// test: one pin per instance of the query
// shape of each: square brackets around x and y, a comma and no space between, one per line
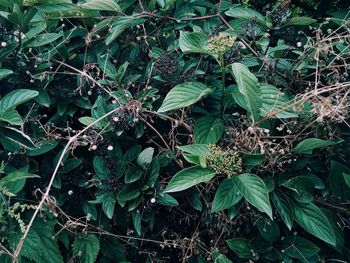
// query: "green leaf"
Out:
[88,120]
[4,73]
[189,177]
[11,116]
[128,193]
[240,246]
[300,21]
[17,136]
[15,181]
[15,98]
[43,147]
[247,13]
[248,86]
[308,145]
[337,181]
[184,95]
[268,229]
[43,39]
[226,196]
[284,209]
[101,5]
[108,206]
[298,247]
[208,130]
[145,157]
[195,149]
[312,219]
[195,42]
[86,248]
[274,101]
[120,25]
[254,191]
[166,199]
[219,258]
[39,246]
[347,179]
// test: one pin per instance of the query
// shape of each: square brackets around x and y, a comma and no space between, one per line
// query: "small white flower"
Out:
[153,200]
[94,147]
[70,192]
[115,119]
[299,44]
[3,44]
[110,147]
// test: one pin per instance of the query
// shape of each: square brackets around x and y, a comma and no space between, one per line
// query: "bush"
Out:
[174,131]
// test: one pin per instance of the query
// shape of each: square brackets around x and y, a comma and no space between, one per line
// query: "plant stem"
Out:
[222,84]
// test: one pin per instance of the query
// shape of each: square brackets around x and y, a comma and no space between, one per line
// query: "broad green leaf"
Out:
[248,86]
[195,149]
[145,157]
[218,257]
[347,179]
[86,248]
[284,209]
[274,101]
[120,25]
[195,42]
[337,181]
[11,116]
[43,39]
[132,174]
[89,120]
[166,199]
[108,206]
[240,246]
[39,246]
[308,145]
[226,196]
[17,136]
[43,147]
[15,98]
[298,247]
[184,95]
[312,219]
[300,21]
[333,220]
[254,191]
[101,5]
[189,177]
[128,193]
[208,130]
[268,229]
[4,73]
[247,13]
[15,181]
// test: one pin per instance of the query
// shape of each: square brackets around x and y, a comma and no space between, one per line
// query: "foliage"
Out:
[174,131]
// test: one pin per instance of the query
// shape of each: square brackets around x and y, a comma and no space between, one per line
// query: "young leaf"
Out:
[308,145]
[86,248]
[248,86]
[254,191]
[268,229]
[145,157]
[208,130]
[312,219]
[184,95]
[189,177]
[226,196]
[42,40]
[195,149]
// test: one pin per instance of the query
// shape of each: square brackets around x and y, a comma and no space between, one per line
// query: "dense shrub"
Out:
[174,131]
